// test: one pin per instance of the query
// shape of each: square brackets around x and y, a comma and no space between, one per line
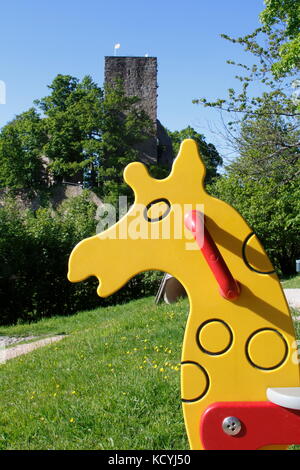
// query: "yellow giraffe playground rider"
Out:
[240,373]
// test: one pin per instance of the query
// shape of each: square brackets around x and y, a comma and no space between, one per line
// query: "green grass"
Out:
[293,282]
[113,383]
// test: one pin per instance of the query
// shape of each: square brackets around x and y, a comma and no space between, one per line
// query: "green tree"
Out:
[69,103]
[92,129]
[209,153]
[34,250]
[125,126]
[276,102]
[268,146]
[21,143]
[285,14]
[83,133]
[272,210]
[263,130]
[263,183]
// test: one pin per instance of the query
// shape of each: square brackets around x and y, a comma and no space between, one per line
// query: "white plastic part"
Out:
[287,397]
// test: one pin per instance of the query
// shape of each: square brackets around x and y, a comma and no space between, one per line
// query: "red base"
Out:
[263,424]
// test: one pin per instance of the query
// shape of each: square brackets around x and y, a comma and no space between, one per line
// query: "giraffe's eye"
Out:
[157,210]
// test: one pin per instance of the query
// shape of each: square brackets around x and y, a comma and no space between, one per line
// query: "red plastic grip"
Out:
[229,287]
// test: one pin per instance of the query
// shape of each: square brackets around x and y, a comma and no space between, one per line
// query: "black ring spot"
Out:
[207,382]
[276,365]
[245,257]
[156,201]
[209,352]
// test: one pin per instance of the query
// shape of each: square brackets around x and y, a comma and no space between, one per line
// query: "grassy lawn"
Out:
[292,282]
[113,383]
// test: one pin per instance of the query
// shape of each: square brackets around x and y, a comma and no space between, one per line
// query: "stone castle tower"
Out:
[139,77]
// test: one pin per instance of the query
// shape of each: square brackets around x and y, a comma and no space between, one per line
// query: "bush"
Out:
[34,251]
[272,210]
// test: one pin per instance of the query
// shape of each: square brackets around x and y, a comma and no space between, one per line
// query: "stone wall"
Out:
[57,194]
[139,77]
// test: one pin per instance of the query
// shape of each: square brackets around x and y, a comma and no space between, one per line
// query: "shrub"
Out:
[34,251]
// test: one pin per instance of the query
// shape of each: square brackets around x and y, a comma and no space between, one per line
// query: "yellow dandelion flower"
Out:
[161,369]
[72,420]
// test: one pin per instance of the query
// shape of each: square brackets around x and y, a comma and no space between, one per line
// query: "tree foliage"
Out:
[278,140]
[272,210]
[81,130]
[34,251]
[262,128]
[264,49]
[209,153]
[285,14]
[93,129]
[21,143]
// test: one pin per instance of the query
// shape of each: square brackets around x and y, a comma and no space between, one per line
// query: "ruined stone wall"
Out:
[139,75]
[57,194]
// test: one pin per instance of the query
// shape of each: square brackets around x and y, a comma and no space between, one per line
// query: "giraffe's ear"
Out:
[188,163]
[136,175]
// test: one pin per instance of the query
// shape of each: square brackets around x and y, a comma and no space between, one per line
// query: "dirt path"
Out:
[293,297]
[15,351]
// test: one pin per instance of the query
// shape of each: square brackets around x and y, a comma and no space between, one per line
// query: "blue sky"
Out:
[40,39]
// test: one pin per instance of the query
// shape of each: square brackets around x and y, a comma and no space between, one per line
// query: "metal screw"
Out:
[231,426]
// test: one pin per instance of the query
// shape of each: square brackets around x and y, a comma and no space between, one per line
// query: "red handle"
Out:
[229,287]
[262,424]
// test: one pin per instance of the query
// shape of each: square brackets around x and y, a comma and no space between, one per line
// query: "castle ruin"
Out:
[139,78]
